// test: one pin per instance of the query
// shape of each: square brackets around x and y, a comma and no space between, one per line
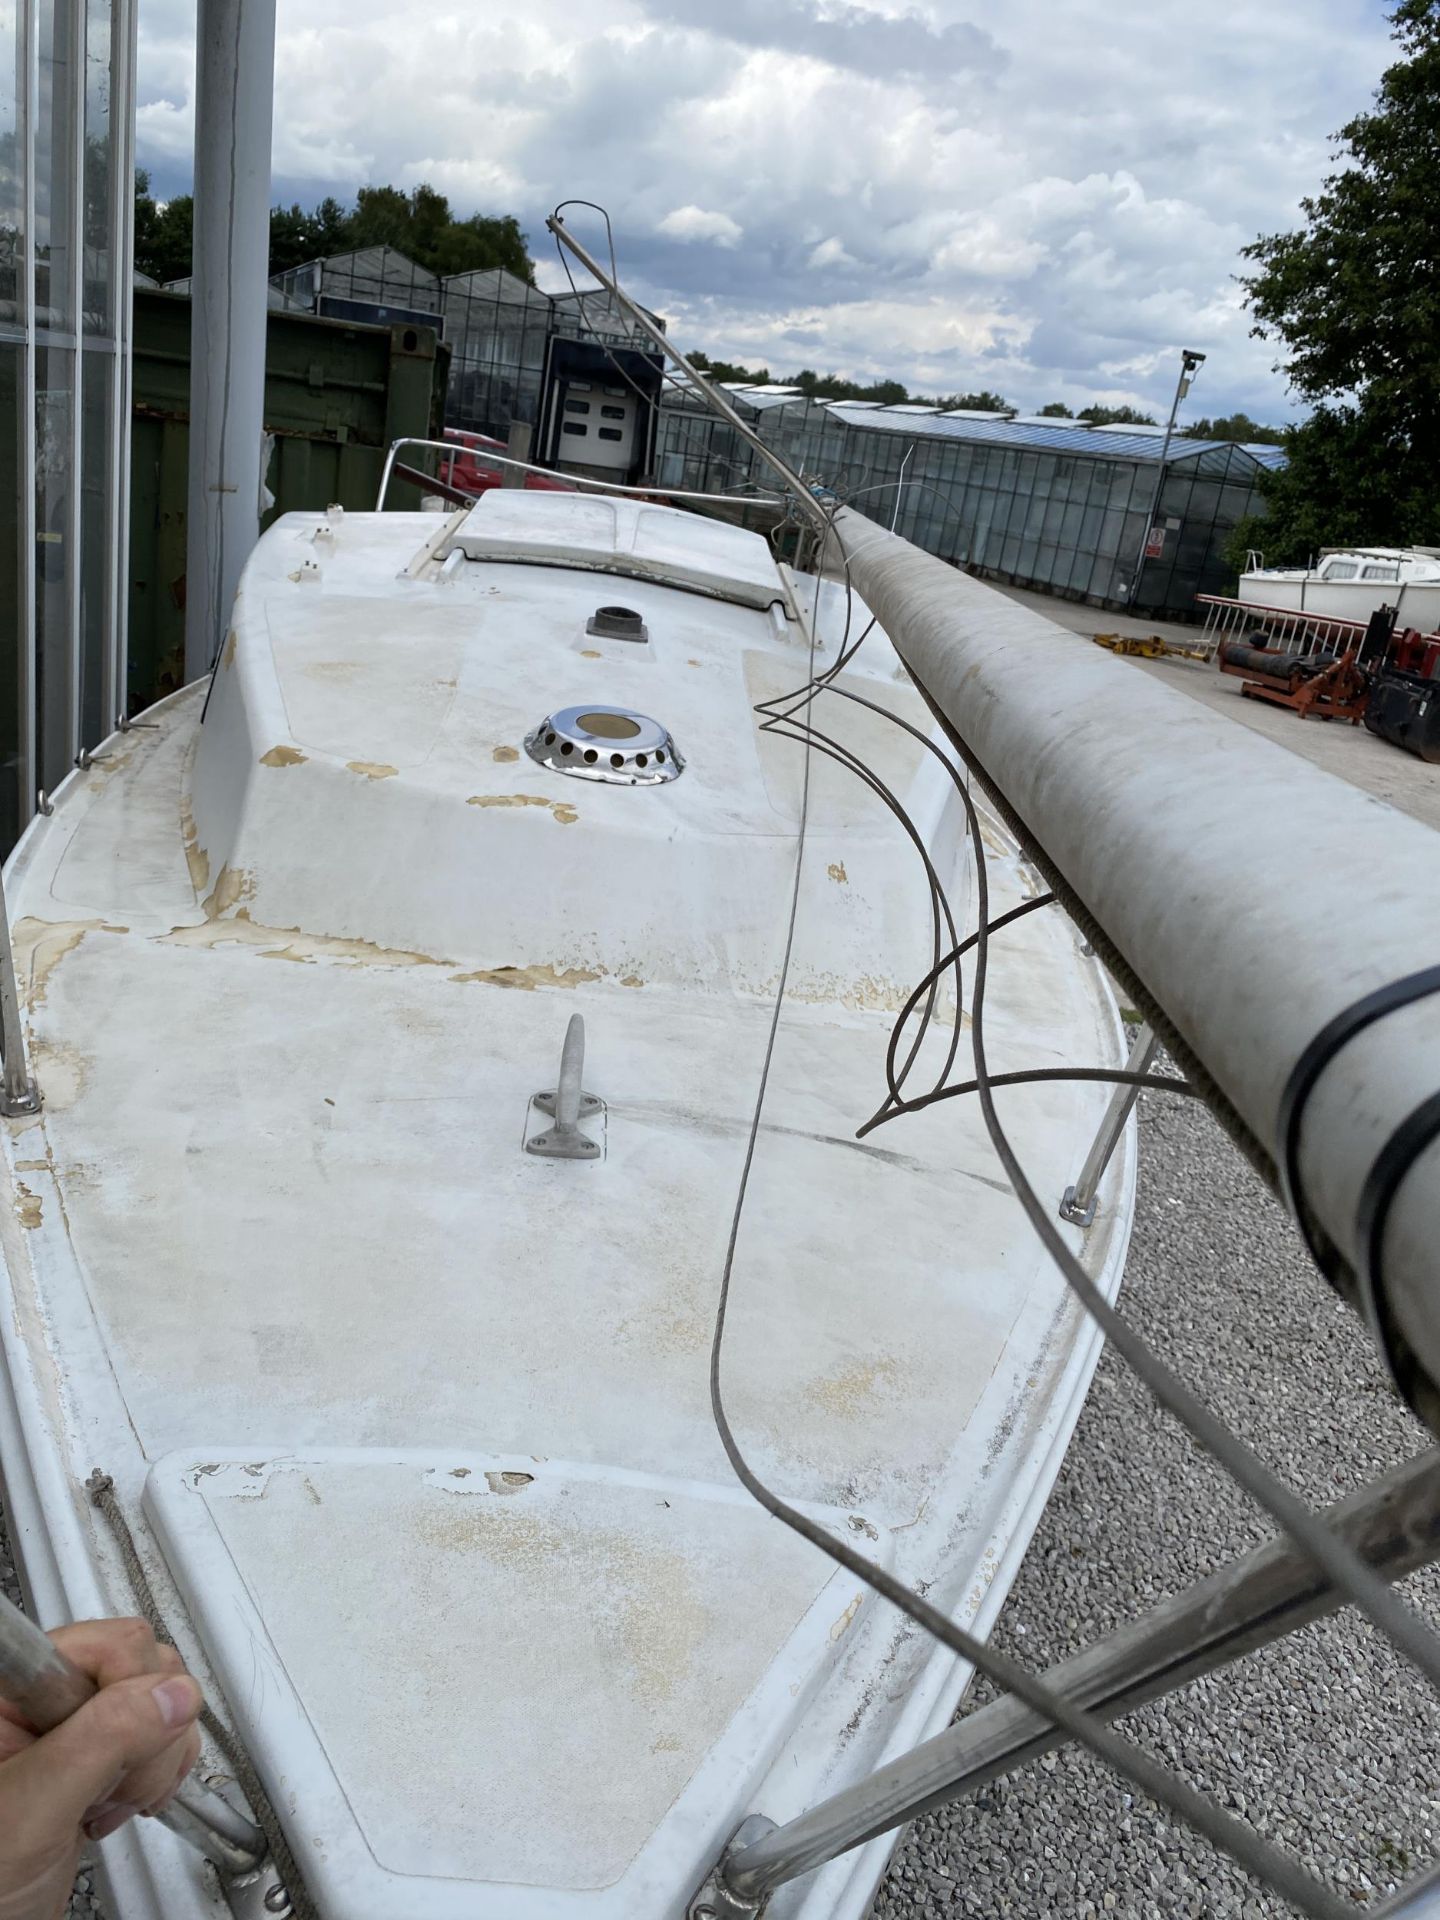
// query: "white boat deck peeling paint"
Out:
[414,1425]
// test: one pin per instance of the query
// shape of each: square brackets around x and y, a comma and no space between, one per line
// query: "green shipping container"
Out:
[336,396]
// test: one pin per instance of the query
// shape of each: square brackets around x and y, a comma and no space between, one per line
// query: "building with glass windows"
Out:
[1046,503]
[571,365]
[66,169]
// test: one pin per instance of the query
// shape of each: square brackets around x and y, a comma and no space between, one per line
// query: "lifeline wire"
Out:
[1239,1840]
[1220,1827]
[1346,1569]
[1340,1563]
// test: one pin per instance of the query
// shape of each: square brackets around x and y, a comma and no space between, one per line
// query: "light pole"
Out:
[1189,365]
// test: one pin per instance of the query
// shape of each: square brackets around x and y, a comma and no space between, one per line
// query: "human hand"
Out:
[126,1751]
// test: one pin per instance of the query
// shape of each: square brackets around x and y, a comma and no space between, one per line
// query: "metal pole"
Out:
[900,485]
[1394,1524]
[234,89]
[18,1092]
[1188,363]
[36,1678]
[712,394]
[517,447]
[1078,1206]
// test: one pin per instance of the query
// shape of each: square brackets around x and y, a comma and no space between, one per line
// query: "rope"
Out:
[101,1489]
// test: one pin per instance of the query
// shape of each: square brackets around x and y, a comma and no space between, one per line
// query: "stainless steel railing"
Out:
[482,456]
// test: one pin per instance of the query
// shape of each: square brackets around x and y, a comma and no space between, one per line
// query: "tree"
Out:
[1098,416]
[164,232]
[469,245]
[723,370]
[1055,410]
[982,402]
[419,223]
[1235,426]
[1352,299]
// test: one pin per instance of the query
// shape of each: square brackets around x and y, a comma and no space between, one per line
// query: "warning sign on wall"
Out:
[1155,544]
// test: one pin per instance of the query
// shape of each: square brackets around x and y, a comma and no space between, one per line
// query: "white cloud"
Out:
[695,223]
[1048,198]
[829,253]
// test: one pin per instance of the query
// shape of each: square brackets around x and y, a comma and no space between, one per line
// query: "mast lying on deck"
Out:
[1305,989]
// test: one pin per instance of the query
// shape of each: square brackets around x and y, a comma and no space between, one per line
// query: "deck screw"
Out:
[277,1900]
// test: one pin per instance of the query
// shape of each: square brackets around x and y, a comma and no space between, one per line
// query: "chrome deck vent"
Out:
[610,744]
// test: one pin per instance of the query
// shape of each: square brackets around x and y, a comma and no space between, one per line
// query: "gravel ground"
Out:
[1317,1740]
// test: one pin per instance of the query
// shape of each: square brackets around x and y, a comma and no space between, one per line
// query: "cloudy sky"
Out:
[1047,198]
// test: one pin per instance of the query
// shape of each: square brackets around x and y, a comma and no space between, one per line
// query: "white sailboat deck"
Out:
[418,1424]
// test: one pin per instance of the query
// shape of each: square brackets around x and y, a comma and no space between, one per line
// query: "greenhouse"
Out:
[1050,503]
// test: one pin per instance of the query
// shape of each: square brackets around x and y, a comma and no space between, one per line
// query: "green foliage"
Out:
[419,223]
[833,386]
[1055,410]
[720,370]
[163,233]
[1115,417]
[1351,480]
[1353,300]
[1235,426]
[422,226]
[982,402]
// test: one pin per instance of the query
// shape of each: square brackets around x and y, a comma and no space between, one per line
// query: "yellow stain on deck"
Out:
[846,1617]
[837,873]
[291,943]
[232,885]
[527,979]
[849,1389]
[506,754]
[40,946]
[561,809]
[371,769]
[27,1205]
[196,858]
[283,757]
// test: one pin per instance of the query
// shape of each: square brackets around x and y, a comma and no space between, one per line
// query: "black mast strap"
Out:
[1304,1075]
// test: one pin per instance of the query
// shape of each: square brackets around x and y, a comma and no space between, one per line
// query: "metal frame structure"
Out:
[1079,1202]
[18,1091]
[65,92]
[1259,1598]
[1293,631]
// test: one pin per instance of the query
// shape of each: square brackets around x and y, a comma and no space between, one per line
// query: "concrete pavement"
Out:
[1410,785]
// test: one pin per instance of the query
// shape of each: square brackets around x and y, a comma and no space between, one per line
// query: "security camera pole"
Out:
[1189,363]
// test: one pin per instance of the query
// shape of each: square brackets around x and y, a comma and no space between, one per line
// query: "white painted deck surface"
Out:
[416,1426]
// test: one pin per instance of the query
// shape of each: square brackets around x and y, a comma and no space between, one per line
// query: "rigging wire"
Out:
[1313,1535]
[1346,1570]
[585,325]
[1227,1832]
[923,486]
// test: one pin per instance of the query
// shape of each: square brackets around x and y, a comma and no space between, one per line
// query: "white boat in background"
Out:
[412,1423]
[1349,583]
